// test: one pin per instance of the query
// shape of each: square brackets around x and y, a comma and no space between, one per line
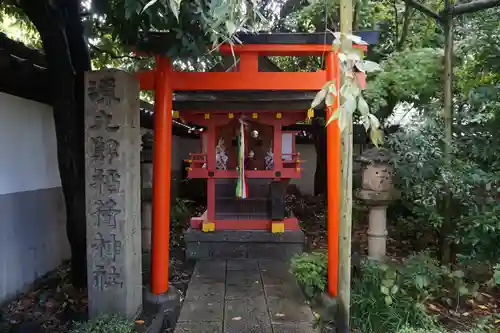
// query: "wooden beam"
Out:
[474,6]
[247,81]
[209,81]
[424,10]
[281,49]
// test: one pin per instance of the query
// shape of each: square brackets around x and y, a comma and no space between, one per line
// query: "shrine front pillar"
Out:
[209,225]
[277,146]
[113,193]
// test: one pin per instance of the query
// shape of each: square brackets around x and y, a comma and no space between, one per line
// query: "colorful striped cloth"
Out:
[241,184]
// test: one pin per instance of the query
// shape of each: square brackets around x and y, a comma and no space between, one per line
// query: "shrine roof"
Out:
[158,42]
[259,100]
[243,100]
[319,38]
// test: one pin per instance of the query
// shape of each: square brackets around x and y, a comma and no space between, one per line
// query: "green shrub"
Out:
[380,302]
[310,270]
[424,180]
[394,296]
[104,324]
[388,297]
[179,221]
[181,210]
[424,278]
[408,329]
[496,274]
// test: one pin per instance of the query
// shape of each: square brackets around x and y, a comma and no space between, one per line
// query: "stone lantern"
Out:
[377,192]
[147,190]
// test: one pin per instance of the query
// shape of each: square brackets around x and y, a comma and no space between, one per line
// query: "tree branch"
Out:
[355,18]
[113,55]
[396,22]
[406,27]
[474,6]
[290,6]
[424,10]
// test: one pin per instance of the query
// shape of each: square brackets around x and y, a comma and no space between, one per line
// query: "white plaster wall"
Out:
[32,213]
[27,146]
[308,158]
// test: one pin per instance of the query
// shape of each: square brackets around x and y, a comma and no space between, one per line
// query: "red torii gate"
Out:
[164,81]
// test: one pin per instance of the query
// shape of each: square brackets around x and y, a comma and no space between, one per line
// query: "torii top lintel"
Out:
[248,77]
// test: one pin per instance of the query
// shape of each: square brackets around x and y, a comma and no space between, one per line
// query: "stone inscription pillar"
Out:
[113,193]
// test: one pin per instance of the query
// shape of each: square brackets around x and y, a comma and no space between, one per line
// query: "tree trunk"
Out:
[447,227]
[67,57]
[345,218]
[406,27]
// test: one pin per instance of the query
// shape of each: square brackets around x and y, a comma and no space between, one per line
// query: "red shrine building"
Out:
[246,154]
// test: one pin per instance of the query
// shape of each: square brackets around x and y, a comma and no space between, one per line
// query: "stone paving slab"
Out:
[202,309]
[294,328]
[286,290]
[244,296]
[247,315]
[242,264]
[288,310]
[243,278]
[243,292]
[198,327]
[205,290]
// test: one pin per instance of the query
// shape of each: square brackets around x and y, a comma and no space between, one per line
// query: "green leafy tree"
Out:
[63,27]
[406,76]
[473,177]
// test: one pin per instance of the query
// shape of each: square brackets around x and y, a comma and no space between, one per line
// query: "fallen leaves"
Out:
[433,308]
[53,303]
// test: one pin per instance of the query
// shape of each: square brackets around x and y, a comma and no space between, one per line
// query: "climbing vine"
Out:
[349,91]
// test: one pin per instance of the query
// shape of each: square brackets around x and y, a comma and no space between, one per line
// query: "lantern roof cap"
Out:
[375,155]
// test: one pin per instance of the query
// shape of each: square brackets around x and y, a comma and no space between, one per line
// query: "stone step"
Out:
[238,244]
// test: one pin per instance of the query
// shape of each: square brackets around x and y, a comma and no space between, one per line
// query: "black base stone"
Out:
[329,314]
[159,312]
[236,244]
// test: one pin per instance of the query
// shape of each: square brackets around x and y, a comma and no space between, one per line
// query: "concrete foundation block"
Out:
[236,244]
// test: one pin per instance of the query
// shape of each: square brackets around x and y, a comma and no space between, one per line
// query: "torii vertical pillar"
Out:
[333,180]
[161,177]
